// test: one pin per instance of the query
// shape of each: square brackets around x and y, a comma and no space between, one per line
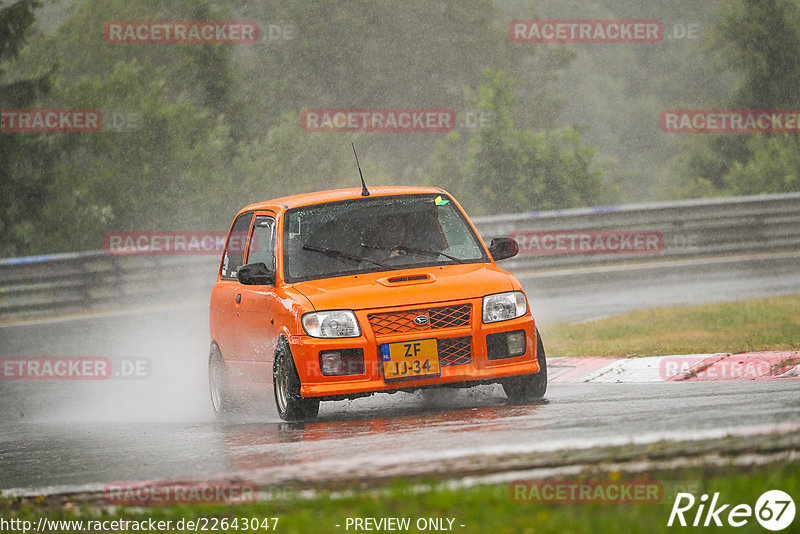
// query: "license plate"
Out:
[409,359]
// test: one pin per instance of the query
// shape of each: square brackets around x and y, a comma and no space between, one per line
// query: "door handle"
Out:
[238,298]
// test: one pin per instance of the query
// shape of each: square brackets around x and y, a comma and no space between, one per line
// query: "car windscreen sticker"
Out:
[440,201]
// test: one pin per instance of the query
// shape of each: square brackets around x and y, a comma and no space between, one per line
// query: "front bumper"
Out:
[463,356]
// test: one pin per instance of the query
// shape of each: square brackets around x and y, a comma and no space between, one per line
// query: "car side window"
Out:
[233,257]
[262,242]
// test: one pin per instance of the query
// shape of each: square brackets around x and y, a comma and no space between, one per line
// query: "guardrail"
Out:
[48,284]
[43,285]
[690,228]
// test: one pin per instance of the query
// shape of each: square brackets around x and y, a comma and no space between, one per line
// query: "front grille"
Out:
[455,351]
[403,321]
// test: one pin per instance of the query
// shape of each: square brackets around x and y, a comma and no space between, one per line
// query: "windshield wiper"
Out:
[342,255]
[415,250]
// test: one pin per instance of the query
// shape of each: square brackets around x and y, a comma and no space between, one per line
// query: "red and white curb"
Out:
[768,365]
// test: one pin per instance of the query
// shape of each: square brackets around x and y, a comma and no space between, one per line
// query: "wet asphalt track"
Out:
[69,435]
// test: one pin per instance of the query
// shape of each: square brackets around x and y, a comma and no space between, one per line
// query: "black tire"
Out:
[222,399]
[286,385]
[529,388]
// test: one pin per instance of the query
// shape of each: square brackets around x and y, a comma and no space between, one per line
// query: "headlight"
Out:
[336,323]
[504,306]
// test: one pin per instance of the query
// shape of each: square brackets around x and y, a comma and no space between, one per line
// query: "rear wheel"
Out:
[286,384]
[529,388]
[222,399]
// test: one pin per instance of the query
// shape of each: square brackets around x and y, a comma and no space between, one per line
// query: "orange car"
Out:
[337,295]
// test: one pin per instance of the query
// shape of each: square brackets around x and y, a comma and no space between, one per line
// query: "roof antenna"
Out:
[364,191]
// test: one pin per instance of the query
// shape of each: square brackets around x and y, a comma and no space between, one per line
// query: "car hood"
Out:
[407,287]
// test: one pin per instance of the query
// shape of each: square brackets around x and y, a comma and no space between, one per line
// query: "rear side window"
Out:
[262,242]
[233,258]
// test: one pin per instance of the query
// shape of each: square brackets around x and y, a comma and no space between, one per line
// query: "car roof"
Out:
[335,195]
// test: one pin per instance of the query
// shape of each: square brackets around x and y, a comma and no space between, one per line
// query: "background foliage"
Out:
[539,126]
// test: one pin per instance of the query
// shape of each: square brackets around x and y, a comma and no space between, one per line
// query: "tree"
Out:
[502,168]
[760,39]
[194,158]
[23,183]
[773,168]
[220,124]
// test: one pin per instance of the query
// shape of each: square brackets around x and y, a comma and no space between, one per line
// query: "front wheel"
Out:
[529,388]
[286,385]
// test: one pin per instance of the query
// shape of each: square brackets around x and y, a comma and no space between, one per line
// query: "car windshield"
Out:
[376,234]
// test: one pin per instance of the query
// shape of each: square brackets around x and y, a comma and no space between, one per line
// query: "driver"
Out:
[387,237]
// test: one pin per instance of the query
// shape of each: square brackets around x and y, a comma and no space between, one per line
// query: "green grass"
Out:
[481,509]
[752,325]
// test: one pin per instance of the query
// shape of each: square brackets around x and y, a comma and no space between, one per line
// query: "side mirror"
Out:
[255,274]
[503,248]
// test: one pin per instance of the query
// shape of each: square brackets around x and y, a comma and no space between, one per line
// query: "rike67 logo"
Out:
[774,510]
